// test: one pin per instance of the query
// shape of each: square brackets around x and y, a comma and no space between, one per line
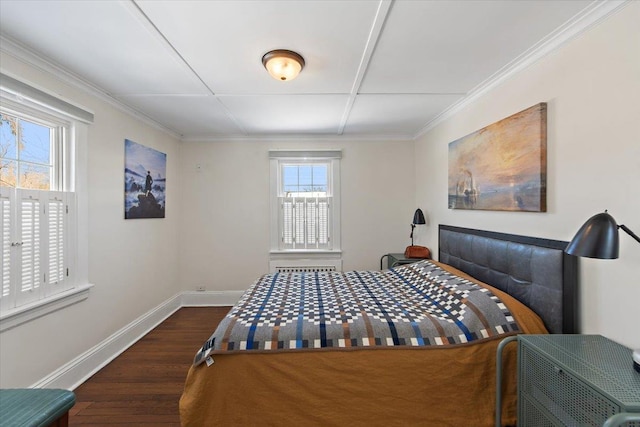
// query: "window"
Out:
[35,209]
[305,200]
[38,221]
[27,149]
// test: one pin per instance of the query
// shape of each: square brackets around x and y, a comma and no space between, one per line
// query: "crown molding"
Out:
[595,13]
[300,138]
[30,57]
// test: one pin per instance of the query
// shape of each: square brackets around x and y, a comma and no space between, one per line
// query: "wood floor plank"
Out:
[143,385]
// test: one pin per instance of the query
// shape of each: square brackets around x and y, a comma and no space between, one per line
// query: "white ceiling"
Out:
[373,68]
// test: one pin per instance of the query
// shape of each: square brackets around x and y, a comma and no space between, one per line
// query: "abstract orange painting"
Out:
[502,166]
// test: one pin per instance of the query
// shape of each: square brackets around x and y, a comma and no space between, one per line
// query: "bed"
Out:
[412,345]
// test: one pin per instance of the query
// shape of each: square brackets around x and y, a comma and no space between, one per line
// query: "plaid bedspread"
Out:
[415,305]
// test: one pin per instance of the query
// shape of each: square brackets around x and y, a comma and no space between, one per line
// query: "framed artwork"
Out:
[144,181]
[503,166]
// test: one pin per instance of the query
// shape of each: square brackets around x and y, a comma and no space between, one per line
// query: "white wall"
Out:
[592,87]
[131,263]
[225,234]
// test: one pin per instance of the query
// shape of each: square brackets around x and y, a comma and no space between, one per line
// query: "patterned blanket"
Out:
[415,305]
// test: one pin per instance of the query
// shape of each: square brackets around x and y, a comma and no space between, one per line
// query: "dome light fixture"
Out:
[283,64]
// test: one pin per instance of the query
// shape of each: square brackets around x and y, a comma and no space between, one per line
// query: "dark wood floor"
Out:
[142,386]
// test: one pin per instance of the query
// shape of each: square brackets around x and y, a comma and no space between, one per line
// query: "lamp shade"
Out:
[418,217]
[597,238]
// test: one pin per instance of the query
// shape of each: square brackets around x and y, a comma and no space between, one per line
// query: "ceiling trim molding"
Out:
[30,57]
[580,23]
[139,14]
[376,30]
[302,138]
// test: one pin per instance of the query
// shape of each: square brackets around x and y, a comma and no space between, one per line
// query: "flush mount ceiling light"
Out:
[283,64]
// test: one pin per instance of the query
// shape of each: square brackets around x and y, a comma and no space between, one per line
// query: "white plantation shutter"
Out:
[323,222]
[35,259]
[311,219]
[305,222]
[29,240]
[56,210]
[6,206]
[287,222]
[298,222]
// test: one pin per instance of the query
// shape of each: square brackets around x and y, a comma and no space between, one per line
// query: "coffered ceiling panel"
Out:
[287,114]
[224,41]
[452,46]
[399,115]
[107,43]
[197,116]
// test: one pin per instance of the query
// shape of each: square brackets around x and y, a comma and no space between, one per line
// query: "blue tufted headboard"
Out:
[535,271]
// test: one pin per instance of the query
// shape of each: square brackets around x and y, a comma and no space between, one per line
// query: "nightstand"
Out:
[575,380]
[394,260]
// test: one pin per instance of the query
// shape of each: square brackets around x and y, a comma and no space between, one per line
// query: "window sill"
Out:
[305,252]
[17,316]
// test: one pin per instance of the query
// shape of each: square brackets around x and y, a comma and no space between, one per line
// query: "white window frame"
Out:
[67,196]
[277,159]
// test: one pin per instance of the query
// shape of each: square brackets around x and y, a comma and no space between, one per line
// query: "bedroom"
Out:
[137,268]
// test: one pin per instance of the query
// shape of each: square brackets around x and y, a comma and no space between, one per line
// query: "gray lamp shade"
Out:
[597,238]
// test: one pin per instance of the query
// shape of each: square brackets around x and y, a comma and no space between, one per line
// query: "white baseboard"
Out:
[78,370]
[210,298]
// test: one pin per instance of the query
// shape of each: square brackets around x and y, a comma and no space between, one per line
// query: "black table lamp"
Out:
[598,238]
[418,218]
